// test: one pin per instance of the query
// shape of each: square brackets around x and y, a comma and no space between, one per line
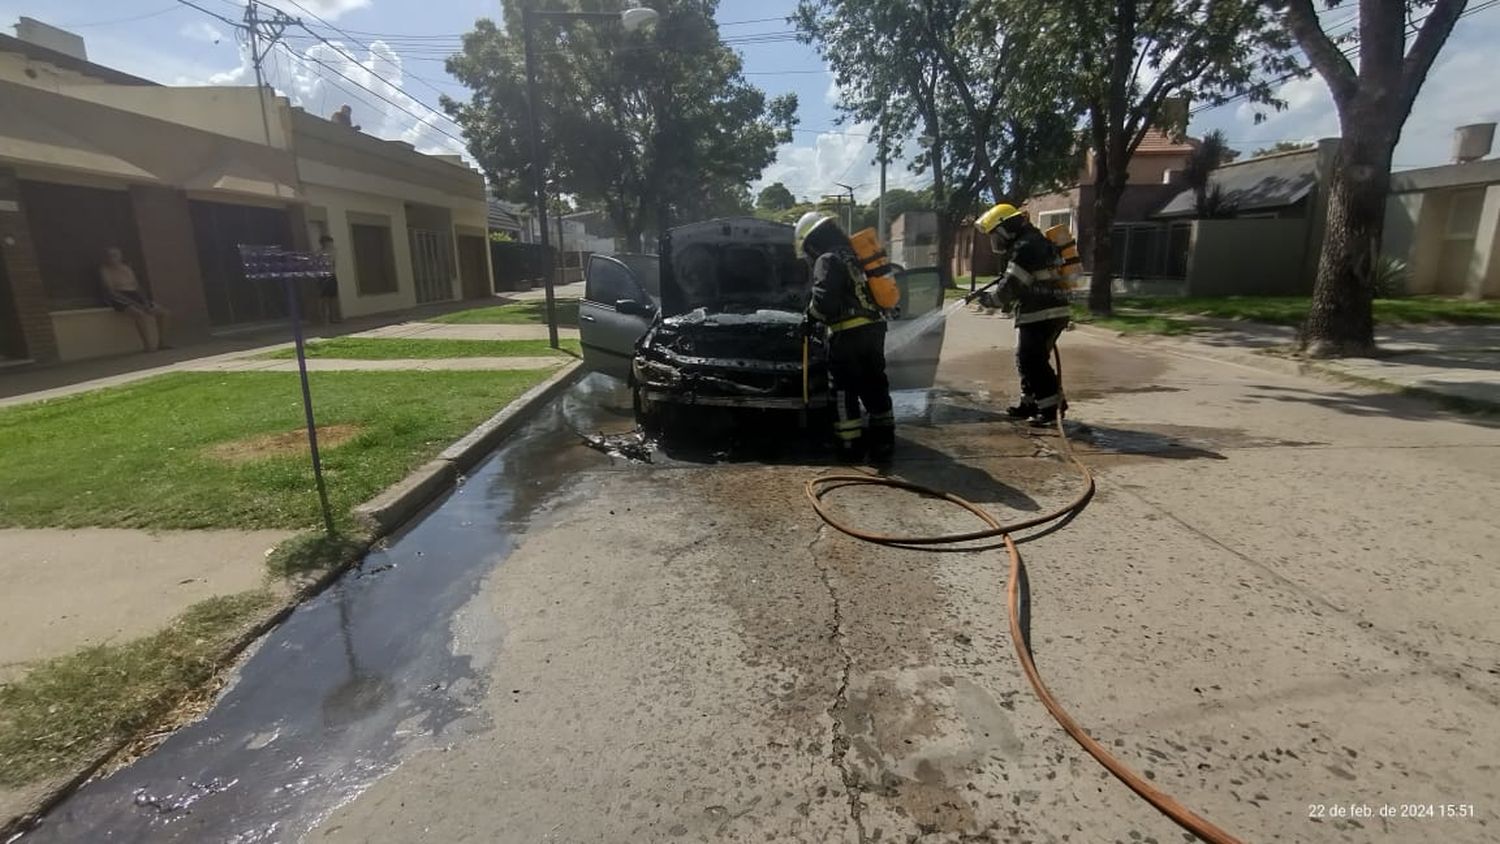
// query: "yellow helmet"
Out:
[991,219]
[805,225]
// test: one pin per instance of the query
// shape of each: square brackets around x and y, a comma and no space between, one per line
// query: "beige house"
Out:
[178,178]
[1445,221]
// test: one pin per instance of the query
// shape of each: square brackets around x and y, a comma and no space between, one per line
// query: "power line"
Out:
[382,97]
[190,4]
[1347,53]
[366,47]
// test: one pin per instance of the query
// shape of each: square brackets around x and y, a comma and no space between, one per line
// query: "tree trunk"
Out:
[1341,320]
[945,230]
[1102,254]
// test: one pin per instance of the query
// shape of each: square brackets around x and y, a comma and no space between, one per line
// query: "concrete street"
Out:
[1279,606]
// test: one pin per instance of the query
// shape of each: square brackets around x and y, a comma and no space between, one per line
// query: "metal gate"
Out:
[432,264]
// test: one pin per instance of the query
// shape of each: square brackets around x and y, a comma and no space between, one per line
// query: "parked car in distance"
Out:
[716,321]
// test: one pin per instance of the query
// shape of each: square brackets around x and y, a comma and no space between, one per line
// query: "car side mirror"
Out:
[631,307]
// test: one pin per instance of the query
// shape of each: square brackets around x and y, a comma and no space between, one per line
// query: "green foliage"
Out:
[141,455]
[499,236]
[1282,146]
[938,75]
[775,197]
[67,709]
[1136,66]
[1389,277]
[314,552]
[649,126]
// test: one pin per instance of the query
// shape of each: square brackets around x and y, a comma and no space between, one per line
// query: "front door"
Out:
[432,265]
[607,334]
[472,267]
[914,339]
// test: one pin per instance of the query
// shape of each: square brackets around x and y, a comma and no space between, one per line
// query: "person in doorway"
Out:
[841,300]
[124,294]
[328,284]
[1033,290]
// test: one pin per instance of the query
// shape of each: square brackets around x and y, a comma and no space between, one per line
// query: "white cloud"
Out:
[200,30]
[370,81]
[832,95]
[810,169]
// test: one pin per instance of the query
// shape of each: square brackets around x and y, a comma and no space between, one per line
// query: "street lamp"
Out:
[632,19]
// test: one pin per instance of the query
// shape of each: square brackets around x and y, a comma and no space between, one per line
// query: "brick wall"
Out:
[28,299]
[171,259]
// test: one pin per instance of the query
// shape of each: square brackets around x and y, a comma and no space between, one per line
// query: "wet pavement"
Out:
[579,645]
[356,678]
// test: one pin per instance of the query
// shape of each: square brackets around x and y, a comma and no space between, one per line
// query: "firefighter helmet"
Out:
[817,233]
[997,214]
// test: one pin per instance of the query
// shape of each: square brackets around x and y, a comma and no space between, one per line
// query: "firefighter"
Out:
[841,300]
[1032,288]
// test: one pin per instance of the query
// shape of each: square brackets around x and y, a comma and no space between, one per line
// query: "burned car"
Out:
[716,321]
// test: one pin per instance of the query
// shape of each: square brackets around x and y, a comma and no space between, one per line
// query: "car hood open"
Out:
[739,265]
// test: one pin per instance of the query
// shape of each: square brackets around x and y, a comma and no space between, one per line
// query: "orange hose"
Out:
[818,487]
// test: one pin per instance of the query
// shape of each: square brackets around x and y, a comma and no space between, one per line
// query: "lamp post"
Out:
[632,20]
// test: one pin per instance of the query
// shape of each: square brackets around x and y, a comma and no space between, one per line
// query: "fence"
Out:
[520,266]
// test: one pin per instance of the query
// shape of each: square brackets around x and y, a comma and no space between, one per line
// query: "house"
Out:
[178,178]
[1153,178]
[1444,222]
[914,239]
[1263,240]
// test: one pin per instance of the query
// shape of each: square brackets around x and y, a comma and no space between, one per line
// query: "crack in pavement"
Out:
[839,752]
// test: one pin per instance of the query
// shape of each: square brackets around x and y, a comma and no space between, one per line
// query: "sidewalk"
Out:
[237,354]
[1459,362]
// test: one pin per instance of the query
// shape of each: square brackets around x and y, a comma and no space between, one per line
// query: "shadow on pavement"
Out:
[1385,405]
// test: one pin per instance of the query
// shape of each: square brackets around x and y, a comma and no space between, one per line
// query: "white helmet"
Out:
[806,224]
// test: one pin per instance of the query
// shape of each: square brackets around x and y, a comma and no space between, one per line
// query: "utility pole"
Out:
[267,30]
[850,217]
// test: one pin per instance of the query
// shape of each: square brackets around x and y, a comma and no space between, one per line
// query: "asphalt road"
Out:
[1279,607]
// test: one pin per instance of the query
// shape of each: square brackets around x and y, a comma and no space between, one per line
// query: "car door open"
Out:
[613,315]
[914,340]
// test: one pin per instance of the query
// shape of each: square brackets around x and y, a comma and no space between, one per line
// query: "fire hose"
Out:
[820,486]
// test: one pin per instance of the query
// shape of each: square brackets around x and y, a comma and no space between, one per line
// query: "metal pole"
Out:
[538,167]
[252,23]
[295,308]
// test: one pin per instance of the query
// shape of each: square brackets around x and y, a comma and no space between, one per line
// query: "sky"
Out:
[395,49]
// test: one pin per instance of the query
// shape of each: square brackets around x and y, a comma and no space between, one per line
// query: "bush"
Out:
[1389,277]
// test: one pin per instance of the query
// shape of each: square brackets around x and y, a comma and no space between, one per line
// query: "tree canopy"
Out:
[775,197]
[649,126]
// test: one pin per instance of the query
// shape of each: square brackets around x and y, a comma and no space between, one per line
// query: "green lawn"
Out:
[63,710]
[1292,310]
[134,456]
[372,348]
[516,313]
[1127,323]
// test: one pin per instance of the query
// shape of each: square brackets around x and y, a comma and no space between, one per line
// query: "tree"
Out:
[938,75]
[775,197]
[1209,201]
[1282,146]
[1133,61]
[1373,103]
[649,126]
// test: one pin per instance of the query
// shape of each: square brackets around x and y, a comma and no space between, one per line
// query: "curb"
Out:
[398,503]
[377,518]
